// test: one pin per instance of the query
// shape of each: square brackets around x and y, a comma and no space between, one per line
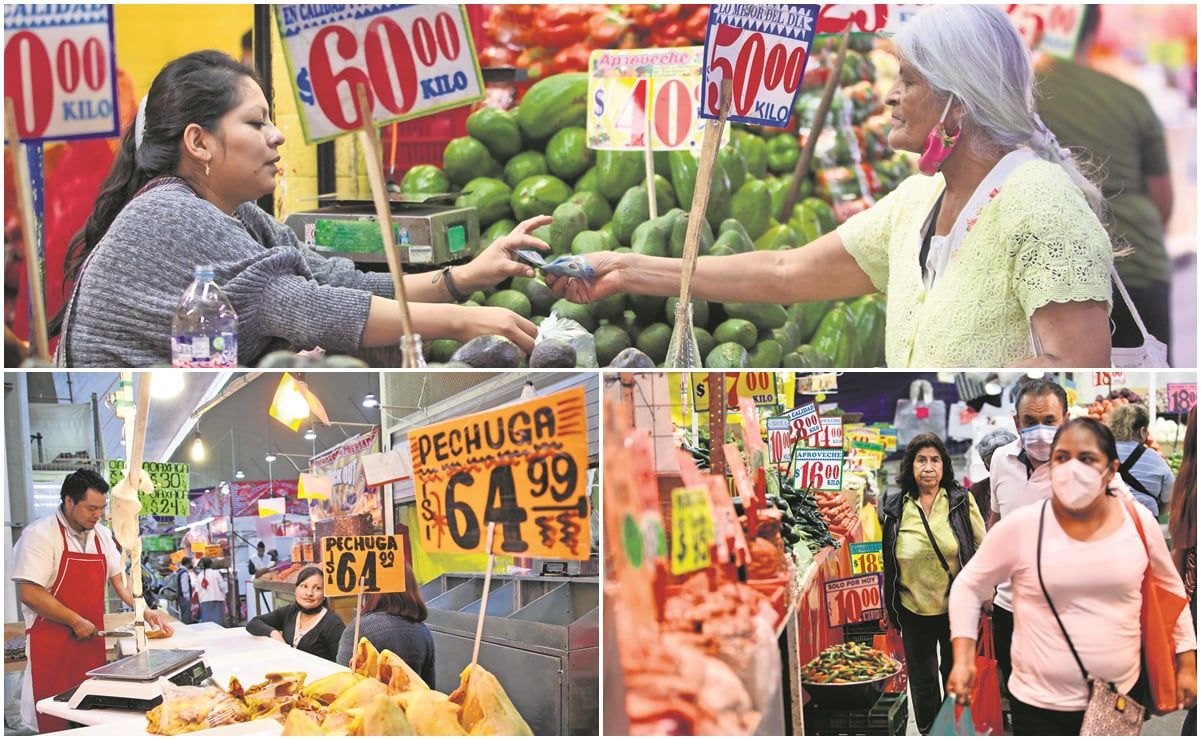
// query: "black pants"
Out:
[1028,720]
[928,659]
[1002,638]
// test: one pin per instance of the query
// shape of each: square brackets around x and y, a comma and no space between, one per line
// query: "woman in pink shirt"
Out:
[1092,564]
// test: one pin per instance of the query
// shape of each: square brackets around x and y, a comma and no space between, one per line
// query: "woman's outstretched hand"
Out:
[498,261]
[605,282]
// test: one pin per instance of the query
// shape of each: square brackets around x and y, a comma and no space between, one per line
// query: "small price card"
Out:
[867,557]
[692,528]
[367,563]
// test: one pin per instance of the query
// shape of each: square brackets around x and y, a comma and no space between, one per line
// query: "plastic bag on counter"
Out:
[191,708]
[571,332]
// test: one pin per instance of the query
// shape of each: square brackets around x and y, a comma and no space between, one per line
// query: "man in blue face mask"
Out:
[1021,476]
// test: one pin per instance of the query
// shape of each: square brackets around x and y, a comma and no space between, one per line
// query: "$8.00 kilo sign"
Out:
[522,466]
[414,60]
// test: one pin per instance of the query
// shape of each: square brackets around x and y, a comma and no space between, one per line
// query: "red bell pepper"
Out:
[574,58]
[696,23]
[558,26]
[605,29]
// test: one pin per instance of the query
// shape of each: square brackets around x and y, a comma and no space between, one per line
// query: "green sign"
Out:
[170,497]
[158,543]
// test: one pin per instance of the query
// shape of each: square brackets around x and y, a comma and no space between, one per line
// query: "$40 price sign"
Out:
[854,600]
[414,60]
[522,466]
[692,530]
[366,563]
[762,50]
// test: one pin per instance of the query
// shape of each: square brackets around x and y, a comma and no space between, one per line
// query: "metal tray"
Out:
[147,665]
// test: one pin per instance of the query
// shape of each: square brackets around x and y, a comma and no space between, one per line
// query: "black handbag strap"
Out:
[929,534]
[929,235]
[1042,517]
[1128,465]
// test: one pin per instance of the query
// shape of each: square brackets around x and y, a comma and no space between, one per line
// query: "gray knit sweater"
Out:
[286,296]
[412,641]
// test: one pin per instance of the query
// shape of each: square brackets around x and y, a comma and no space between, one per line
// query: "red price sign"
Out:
[1109,379]
[60,70]
[762,50]
[804,420]
[414,60]
[820,469]
[779,438]
[854,600]
[1182,397]
[880,18]
[1053,29]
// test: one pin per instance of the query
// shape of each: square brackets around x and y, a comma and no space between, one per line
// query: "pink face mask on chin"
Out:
[939,145]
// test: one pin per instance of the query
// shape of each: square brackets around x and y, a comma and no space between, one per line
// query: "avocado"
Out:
[738,331]
[765,316]
[565,309]
[514,300]
[493,351]
[611,340]
[653,340]
[727,355]
[552,353]
[632,358]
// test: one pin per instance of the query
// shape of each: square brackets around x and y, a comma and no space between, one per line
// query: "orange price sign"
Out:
[522,466]
[366,563]
[854,600]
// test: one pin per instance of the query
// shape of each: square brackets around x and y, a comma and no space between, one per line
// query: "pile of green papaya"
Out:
[534,160]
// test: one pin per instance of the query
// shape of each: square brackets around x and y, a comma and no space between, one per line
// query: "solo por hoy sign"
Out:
[60,71]
[414,60]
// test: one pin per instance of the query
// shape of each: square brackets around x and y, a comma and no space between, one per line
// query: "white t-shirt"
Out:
[1013,487]
[39,550]
[216,589]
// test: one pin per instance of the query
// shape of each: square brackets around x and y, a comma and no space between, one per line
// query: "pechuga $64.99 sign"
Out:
[414,60]
[522,466]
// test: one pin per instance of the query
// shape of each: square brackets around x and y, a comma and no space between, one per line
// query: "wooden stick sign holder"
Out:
[819,122]
[372,153]
[33,267]
[479,622]
[134,476]
[650,167]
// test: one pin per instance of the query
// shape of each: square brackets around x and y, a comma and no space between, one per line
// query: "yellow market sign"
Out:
[692,528]
[363,563]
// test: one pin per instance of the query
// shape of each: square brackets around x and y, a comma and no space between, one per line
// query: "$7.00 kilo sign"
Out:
[414,60]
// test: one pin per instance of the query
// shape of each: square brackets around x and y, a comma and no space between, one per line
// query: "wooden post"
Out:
[358,614]
[717,423]
[650,171]
[819,121]
[369,138]
[479,623]
[134,475]
[700,196]
[33,268]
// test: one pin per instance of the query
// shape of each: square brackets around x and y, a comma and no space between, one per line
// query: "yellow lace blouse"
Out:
[1035,242]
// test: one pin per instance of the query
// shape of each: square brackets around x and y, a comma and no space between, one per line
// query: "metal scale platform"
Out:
[430,230]
[133,683]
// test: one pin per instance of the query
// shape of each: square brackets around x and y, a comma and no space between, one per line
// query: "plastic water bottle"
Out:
[204,332]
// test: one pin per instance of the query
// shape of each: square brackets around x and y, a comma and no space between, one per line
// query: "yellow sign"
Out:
[691,530]
[867,557]
[178,556]
[212,551]
[521,466]
[198,548]
[865,448]
[367,563]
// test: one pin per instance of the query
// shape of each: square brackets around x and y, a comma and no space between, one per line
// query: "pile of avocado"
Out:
[534,160]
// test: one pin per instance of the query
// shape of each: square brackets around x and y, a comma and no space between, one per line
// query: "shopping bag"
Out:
[890,642]
[920,414]
[986,694]
[947,724]
[959,421]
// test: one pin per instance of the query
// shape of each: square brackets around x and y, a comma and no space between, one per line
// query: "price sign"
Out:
[820,469]
[1182,397]
[805,420]
[888,438]
[161,543]
[870,19]
[760,387]
[363,563]
[692,532]
[198,547]
[779,438]
[1053,29]
[867,557]
[636,93]
[522,466]
[1109,379]
[178,556]
[414,60]
[60,69]
[762,50]
[854,600]
[170,495]
[213,551]
[829,436]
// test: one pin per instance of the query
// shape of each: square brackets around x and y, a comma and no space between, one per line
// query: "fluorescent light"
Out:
[310,435]
[270,457]
[370,401]
[239,475]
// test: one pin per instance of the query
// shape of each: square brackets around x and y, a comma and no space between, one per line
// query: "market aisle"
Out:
[1166,726]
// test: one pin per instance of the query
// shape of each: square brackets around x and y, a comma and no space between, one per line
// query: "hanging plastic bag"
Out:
[986,695]
[570,331]
[869,520]
[920,414]
[947,724]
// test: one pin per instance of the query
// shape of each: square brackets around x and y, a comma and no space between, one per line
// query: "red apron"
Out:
[57,661]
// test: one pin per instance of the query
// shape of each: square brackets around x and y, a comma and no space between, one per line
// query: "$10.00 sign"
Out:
[762,50]
[521,466]
[413,59]
[60,70]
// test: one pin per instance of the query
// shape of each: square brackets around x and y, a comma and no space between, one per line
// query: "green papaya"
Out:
[679,234]
[553,103]
[523,165]
[567,153]
[425,179]
[569,221]
[751,206]
[466,158]
[836,336]
[632,210]
[498,130]
[617,172]
[754,152]
[732,242]
[490,198]
[597,209]
[538,196]
[777,237]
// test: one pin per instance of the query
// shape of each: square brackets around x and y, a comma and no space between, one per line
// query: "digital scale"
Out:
[133,683]
[429,230]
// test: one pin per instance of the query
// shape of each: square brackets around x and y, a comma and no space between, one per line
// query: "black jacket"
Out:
[961,526]
[321,640]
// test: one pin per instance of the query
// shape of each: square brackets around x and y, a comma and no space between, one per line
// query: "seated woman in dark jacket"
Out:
[396,622]
[309,624]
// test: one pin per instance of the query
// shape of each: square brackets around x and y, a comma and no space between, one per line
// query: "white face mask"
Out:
[1076,485]
[1036,440]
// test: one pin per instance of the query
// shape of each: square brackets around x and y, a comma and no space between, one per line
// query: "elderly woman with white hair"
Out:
[993,256]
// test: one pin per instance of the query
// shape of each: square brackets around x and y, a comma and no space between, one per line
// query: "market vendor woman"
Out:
[309,624]
[181,193]
[61,565]
[993,256]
